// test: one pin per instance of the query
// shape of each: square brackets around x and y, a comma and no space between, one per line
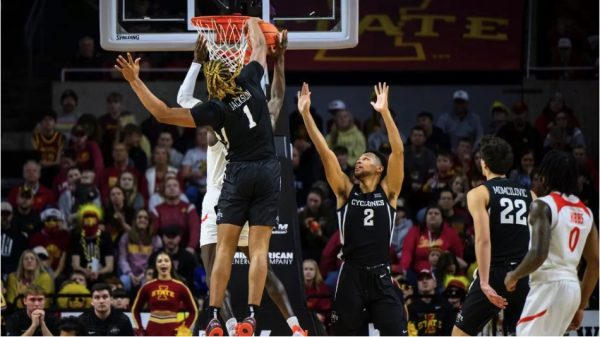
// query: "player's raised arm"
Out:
[590,276]
[185,95]
[278,85]
[477,199]
[339,182]
[164,114]
[257,42]
[392,182]
[539,220]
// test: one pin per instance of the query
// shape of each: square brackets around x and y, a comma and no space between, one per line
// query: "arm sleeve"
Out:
[211,113]
[185,95]
[138,304]
[408,249]
[194,227]
[123,263]
[189,302]
[252,72]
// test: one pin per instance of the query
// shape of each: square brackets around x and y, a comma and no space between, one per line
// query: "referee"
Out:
[366,215]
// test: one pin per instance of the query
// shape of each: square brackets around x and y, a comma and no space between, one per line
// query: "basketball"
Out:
[271,34]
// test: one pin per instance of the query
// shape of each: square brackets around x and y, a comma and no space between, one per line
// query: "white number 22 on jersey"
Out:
[506,216]
[251,122]
[369,213]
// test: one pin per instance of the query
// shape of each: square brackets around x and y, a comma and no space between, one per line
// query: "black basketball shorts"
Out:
[477,310]
[250,193]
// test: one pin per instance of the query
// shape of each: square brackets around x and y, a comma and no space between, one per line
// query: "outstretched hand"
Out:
[304,99]
[381,91]
[493,297]
[200,51]
[281,45]
[128,67]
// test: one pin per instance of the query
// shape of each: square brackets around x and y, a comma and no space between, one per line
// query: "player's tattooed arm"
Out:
[392,183]
[539,220]
[338,181]
[278,85]
[164,114]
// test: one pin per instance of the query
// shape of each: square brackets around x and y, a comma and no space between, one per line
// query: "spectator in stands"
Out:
[29,271]
[87,152]
[449,269]
[536,182]
[456,217]
[545,121]
[135,248]
[330,264]
[87,57]
[377,136]
[166,140]
[345,133]
[297,127]
[33,320]
[436,138]
[333,108]
[461,122]
[173,211]
[25,218]
[318,295]
[101,319]
[420,239]
[443,174]
[464,156]
[14,242]
[118,216]
[92,128]
[455,294]
[42,195]
[67,118]
[419,165]
[519,133]
[303,166]
[158,198]
[120,300]
[121,163]
[93,252]
[109,124]
[156,174]
[132,138]
[586,165]
[78,277]
[341,153]
[460,186]
[86,191]
[573,136]
[49,143]
[184,262]
[128,183]
[54,239]
[317,224]
[499,113]
[70,326]
[61,182]
[193,168]
[522,173]
[66,200]
[73,296]
[402,224]
[429,313]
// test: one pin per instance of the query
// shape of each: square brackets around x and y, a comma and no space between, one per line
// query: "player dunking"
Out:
[251,188]
[365,219]
[499,208]
[562,230]
[215,170]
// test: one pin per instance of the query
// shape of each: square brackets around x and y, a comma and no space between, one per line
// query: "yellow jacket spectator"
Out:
[29,271]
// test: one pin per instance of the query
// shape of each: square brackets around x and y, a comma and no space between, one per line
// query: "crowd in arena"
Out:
[105,194]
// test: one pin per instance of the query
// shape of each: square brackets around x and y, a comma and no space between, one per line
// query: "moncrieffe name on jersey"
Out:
[507,190]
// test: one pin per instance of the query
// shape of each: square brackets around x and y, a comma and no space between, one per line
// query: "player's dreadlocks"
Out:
[220,82]
[560,172]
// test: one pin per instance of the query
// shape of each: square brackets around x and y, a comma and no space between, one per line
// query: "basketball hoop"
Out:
[225,38]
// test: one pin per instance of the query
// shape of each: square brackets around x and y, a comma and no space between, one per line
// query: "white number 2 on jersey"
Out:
[369,213]
[251,122]
[506,216]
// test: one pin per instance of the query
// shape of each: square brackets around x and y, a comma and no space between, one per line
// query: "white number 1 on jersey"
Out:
[251,122]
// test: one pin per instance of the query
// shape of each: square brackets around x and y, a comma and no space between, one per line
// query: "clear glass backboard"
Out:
[165,25]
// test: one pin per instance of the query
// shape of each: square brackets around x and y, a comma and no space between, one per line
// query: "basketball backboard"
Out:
[165,25]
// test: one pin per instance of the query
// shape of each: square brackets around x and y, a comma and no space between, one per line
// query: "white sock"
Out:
[230,324]
[293,321]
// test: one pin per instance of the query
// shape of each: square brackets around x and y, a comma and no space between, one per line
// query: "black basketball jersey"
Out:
[243,121]
[365,222]
[508,209]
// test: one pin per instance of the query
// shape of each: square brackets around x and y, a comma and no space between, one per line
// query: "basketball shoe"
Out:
[246,327]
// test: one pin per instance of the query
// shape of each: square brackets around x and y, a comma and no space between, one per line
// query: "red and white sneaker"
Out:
[298,331]
[214,328]
[246,327]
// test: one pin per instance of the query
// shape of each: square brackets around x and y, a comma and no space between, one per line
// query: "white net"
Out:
[225,41]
